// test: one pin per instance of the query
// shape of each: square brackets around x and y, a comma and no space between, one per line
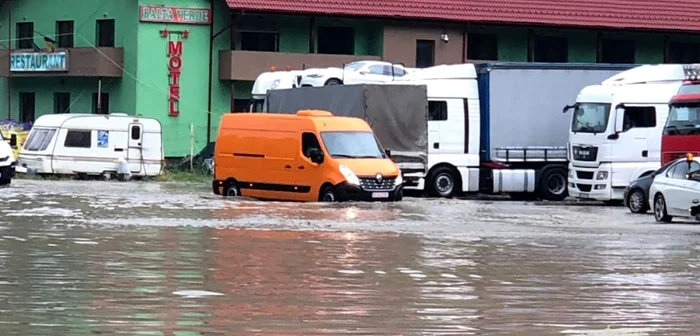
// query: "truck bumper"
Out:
[593,183]
[347,192]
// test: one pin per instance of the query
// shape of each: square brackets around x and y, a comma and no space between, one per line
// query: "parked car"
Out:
[637,193]
[360,72]
[677,191]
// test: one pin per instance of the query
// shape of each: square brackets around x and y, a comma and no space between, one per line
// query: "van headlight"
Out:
[399,179]
[602,175]
[349,175]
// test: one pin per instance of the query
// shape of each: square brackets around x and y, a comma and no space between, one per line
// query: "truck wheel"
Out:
[5,181]
[660,213]
[442,182]
[552,184]
[328,195]
[231,189]
[333,81]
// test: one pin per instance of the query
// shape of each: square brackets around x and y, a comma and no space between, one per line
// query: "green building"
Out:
[186,62]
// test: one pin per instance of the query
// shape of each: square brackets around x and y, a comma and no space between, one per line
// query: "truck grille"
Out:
[581,153]
[584,187]
[373,184]
[584,175]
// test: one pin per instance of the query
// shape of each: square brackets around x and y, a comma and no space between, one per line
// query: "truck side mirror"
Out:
[619,119]
[13,140]
[316,156]
[567,108]
[388,153]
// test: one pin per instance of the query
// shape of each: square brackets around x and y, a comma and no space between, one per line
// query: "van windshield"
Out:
[590,118]
[683,119]
[353,145]
[39,139]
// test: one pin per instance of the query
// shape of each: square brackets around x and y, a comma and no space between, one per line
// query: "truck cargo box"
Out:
[521,105]
[398,114]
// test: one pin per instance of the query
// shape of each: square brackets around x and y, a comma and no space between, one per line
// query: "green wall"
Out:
[122,91]
[512,42]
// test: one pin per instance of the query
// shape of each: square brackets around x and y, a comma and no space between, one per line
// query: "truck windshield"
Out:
[353,145]
[683,119]
[590,118]
[39,139]
[689,88]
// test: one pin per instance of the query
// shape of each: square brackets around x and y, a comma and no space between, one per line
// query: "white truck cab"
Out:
[7,160]
[271,80]
[615,131]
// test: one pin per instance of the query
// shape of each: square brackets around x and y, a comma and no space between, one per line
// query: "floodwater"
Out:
[85,258]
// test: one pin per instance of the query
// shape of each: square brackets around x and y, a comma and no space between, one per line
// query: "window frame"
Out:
[68,134]
[65,39]
[443,112]
[57,97]
[105,41]
[321,44]
[24,42]
[430,45]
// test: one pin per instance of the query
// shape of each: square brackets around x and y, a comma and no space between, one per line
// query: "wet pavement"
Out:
[86,258]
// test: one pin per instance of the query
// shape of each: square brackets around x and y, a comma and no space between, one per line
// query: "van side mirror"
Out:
[388,152]
[13,140]
[316,156]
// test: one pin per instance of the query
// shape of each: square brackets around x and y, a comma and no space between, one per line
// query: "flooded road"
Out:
[85,258]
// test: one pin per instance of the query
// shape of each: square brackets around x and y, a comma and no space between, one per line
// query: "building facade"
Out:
[186,62]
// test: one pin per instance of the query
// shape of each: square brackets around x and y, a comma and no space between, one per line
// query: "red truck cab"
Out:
[681,133]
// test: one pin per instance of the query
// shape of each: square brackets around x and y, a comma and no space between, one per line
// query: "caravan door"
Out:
[135,148]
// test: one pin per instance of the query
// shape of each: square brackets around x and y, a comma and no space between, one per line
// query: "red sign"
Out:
[175,15]
[174,67]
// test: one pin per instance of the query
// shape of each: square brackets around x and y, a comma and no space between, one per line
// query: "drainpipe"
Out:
[9,54]
[212,37]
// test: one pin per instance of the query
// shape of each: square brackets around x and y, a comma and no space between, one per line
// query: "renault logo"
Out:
[379,178]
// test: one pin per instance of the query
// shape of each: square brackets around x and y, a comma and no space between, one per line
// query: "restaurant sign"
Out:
[39,62]
[175,15]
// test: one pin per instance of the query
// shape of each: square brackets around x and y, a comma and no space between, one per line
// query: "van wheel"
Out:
[442,183]
[552,184]
[328,195]
[232,190]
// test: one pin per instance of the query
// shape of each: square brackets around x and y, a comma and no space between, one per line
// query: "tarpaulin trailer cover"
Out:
[398,114]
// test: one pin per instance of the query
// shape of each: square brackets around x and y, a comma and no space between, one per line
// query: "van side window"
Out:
[437,110]
[135,132]
[639,117]
[309,141]
[79,139]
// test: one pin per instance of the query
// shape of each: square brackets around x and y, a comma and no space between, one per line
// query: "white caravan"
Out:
[7,161]
[615,131]
[271,80]
[90,144]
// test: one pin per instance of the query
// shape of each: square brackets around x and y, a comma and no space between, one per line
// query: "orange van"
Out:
[311,156]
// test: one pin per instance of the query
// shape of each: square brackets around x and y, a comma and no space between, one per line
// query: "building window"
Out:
[552,49]
[101,106]
[437,110]
[61,102]
[64,30]
[26,107]
[259,41]
[25,35]
[482,47]
[336,40]
[105,33]
[616,51]
[241,105]
[683,52]
[78,139]
[425,53]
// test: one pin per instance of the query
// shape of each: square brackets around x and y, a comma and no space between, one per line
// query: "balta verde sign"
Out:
[39,62]
[175,15]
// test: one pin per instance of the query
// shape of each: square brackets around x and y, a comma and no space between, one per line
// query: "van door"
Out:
[135,148]
[437,118]
[309,175]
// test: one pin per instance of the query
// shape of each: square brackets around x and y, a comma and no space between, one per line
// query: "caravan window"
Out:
[79,139]
[39,139]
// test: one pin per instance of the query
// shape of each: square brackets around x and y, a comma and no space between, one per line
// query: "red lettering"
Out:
[175,92]
[174,48]
[175,75]
[174,111]
[175,63]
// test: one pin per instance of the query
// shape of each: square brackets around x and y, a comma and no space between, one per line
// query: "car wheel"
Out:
[442,183]
[232,190]
[334,81]
[636,201]
[328,195]
[660,212]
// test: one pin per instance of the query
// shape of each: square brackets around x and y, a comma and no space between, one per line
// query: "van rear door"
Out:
[135,148]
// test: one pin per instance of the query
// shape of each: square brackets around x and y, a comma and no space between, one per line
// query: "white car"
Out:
[360,72]
[676,192]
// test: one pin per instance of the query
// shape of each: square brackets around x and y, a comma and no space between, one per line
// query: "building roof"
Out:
[619,14]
